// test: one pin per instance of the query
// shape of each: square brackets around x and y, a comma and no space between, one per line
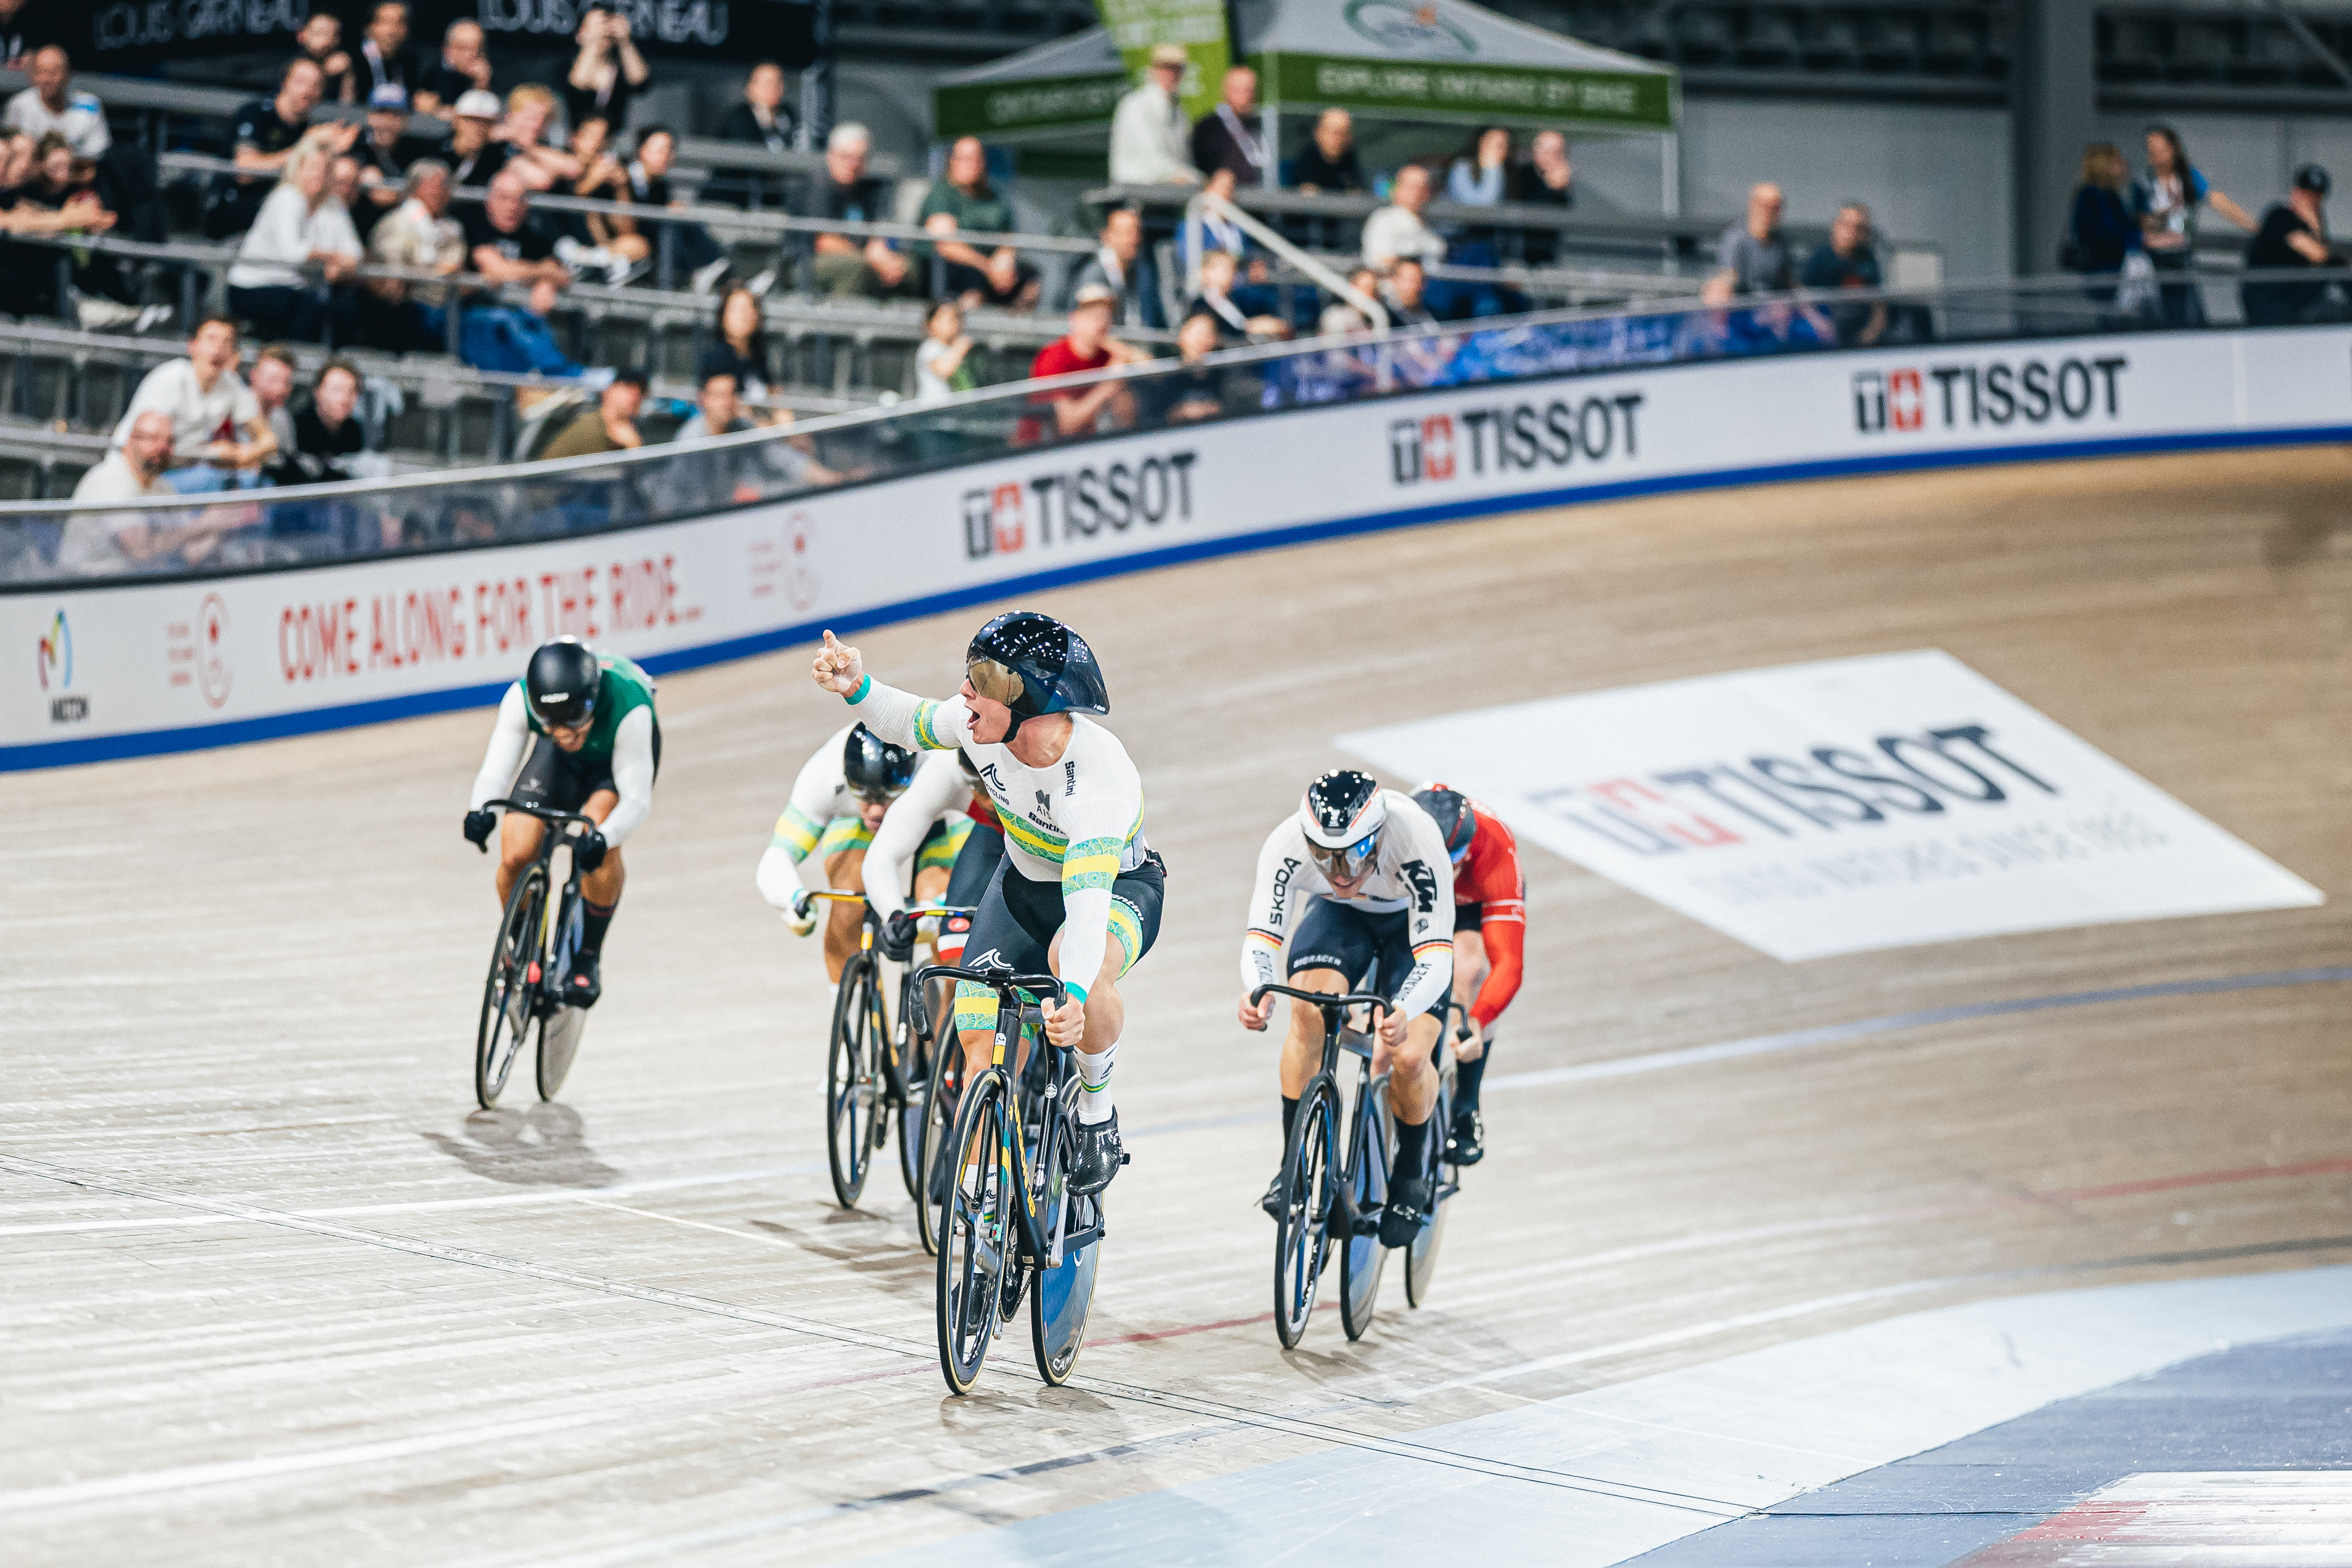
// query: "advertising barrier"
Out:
[177,664]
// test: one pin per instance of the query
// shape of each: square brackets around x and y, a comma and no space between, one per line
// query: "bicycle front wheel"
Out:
[850,1079]
[1302,1238]
[512,989]
[977,1234]
[1368,1186]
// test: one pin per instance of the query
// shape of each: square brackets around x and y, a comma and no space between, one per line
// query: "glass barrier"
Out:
[225,527]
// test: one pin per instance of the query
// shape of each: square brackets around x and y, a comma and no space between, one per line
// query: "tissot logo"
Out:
[1079,503]
[1507,436]
[1968,395]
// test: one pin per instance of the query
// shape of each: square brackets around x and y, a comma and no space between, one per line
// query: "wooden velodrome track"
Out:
[316,1309]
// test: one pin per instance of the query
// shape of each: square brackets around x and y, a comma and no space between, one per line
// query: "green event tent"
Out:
[1405,59]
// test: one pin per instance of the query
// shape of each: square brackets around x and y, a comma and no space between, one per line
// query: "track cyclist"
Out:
[598,747]
[1359,876]
[1490,934]
[1078,887]
[946,824]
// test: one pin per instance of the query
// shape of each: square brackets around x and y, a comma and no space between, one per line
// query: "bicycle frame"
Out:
[1334,1007]
[1047,1248]
[910,983]
[557,914]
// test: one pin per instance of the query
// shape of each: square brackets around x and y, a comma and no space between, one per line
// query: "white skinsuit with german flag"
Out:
[1411,851]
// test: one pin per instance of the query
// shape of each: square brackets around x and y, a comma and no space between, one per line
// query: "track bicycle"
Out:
[1335,1178]
[875,1075]
[530,965]
[1444,1175]
[1010,1224]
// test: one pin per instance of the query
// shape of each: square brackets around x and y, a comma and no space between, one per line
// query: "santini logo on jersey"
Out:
[1080,503]
[1991,391]
[1511,436]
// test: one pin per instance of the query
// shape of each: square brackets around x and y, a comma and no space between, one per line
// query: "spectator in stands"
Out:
[1397,229]
[965,200]
[1195,392]
[1327,164]
[21,31]
[741,351]
[102,543]
[402,315]
[384,57]
[267,132]
[475,155]
[1150,137]
[1406,294]
[1216,300]
[1087,346]
[1546,180]
[49,105]
[607,242]
[2165,200]
[300,226]
[2292,234]
[210,407]
[610,427]
[752,471]
[542,167]
[1214,230]
[462,68]
[607,71]
[1225,139]
[1121,266]
[692,249]
[506,244]
[384,156]
[102,296]
[843,193]
[1751,258]
[327,432]
[28,272]
[1480,176]
[943,359]
[761,120]
[2101,231]
[271,381]
[1848,261]
[320,42]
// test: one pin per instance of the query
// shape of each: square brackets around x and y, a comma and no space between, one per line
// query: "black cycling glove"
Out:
[898,936]
[480,826]
[588,850]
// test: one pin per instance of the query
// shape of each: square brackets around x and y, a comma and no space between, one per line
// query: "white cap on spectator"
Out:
[477,103]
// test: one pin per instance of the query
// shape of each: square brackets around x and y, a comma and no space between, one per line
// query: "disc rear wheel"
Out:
[511,992]
[1061,1297]
[915,1057]
[977,1237]
[1302,1241]
[1363,1257]
[1444,1179]
[851,1080]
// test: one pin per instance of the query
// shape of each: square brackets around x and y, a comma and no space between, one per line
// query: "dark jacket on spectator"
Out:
[1217,145]
[2102,229]
[1311,168]
[750,187]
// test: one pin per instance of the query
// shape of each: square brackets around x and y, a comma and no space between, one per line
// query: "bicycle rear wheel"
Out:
[1367,1183]
[1062,1296]
[942,1099]
[511,992]
[1444,1181]
[559,1044]
[977,1237]
[850,1081]
[1302,1240]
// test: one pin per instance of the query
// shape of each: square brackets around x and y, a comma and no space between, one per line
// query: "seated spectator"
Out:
[762,119]
[210,407]
[402,315]
[101,543]
[610,427]
[2292,236]
[605,242]
[385,59]
[383,155]
[1397,229]
[320,42]
[1215,231]
[1480,176]
[701,258]
[462,68]
[1087,346]
[1751,258]
[102,295]
[1227,137]
[1121,266]
[741,351]
[48,106]
[506,244]
[28,272]
[1150,137]
[943,359]
[301,226]
[843,264]
[542,167]
[1546,180]
[1195,392]
[2101,228]
[1327,164]
[267,132]
[271,381]
[964,200]
[752,471]
[1847,261]
[1216,301]
[327,432]
[1405,294]
[475,155]
[607,71]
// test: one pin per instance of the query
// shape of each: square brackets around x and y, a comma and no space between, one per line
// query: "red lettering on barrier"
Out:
[1437,446]
[1907,400]
[1633,797]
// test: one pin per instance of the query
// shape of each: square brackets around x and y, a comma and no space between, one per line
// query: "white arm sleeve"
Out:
[939,787]
[1098,826]
[817,798]
[633,774]
[1287,878]
[903,718]
[1430,871]
[500,763]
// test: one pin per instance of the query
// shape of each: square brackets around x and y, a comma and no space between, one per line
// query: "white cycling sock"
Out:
[1094,1099]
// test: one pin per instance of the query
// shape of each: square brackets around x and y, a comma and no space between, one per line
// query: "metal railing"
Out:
[261,530]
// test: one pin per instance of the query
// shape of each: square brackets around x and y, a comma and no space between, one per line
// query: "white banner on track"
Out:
[1841,807]
[113,670]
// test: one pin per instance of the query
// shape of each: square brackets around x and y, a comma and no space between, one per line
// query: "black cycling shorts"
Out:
[559,781]
[1467,916]
[975,866]
[1373,951]
[1018,918]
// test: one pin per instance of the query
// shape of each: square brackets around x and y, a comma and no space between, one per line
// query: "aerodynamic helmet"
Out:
[1035,665]
[1343,814]
[1450,810]
[874,769]
[560,683]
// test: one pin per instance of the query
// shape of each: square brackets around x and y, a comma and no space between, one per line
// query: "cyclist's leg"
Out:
[544,782]
[1413,1080]
[935,864]
[840,850]
[1332,948]
[1469,974]
[998,937]
[1134,924]
[519,837]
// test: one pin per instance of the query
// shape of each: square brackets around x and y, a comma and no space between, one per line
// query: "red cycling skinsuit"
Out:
[1490,896]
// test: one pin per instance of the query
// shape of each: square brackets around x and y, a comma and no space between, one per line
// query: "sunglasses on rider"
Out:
[995,681]
[1348,862]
